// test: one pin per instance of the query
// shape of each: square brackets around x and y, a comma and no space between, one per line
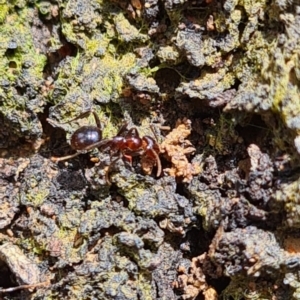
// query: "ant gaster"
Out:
[125,144]
[84,138]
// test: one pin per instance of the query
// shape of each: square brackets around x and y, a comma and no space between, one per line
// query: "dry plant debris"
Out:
[194,282]
[177,148]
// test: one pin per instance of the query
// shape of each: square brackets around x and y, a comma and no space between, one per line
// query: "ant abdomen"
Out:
[85,136]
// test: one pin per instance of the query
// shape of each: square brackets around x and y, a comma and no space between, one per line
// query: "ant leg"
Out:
[151,150]
[56,124]
[98,145]
[123,129]
[128,158]
[57,159]
[161,127]
[132,133]
[97,120]
[53,123]
[153,131]
[101,145]
[109,168]
[158,162]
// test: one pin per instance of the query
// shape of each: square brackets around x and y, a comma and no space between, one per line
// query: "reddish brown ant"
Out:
[128,143]
[125,144]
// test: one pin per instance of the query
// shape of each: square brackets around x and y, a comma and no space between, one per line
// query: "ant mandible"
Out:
[125,144]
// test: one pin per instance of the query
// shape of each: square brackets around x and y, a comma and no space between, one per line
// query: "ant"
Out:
[125,144]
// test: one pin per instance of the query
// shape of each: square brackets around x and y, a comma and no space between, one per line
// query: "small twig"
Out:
[25,286]
[163,127]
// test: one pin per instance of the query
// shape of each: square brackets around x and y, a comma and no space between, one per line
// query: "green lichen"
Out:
[145,285]
[21,69]
[4,8]
[240,289]
[221,137]
[82,81]
[284,89]
[17,47]
[79,21]
[269,67]
[31,245]
[168,54]
[110,72]
[36,194]
[127,32]
[146,197]
[97,46]
[35,198]
[288,196]
[209,85]
[205,205]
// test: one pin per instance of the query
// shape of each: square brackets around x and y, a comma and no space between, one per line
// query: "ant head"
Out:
[132,133]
